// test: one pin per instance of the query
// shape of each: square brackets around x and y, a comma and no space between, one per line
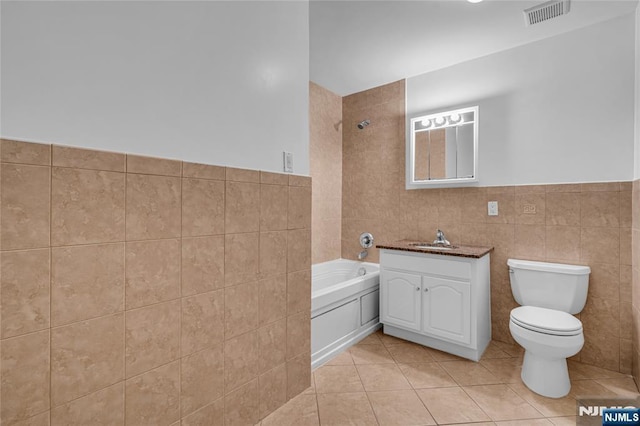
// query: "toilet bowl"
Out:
[549,337]
[544,325]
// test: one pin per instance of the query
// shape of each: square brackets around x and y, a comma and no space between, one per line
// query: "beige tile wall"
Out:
[579,223]
[635,288]
[325,153]
[180,291]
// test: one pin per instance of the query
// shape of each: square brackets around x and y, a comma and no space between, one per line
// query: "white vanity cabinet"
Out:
[440,301]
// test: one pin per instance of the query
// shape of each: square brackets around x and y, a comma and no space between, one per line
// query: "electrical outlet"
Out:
[287,161]
[492,208]
[529,209]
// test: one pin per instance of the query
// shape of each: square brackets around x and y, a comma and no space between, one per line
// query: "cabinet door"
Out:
[400,299]
[446,309]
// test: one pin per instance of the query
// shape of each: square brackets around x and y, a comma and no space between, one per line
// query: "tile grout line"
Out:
[478,405]
[415,391]
[315,396]
[366,393]
[461,387]
[123,382]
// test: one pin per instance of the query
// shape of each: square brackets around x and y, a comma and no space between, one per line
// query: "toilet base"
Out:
[544,376]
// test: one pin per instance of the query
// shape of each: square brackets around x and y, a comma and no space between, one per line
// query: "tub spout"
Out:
[362,254]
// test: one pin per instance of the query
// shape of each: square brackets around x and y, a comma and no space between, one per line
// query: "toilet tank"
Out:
[549,285]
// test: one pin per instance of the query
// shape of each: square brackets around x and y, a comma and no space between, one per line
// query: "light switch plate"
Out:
[492,208]
[287,160]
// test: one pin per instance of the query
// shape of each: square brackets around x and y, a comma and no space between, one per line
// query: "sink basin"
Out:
[431,246]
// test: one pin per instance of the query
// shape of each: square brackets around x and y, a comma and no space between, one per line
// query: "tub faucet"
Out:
[440,239]
[366,241]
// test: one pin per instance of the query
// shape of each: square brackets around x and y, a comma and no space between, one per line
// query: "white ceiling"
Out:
[357,45]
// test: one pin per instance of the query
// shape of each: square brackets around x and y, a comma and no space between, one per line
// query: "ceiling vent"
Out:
[545,11]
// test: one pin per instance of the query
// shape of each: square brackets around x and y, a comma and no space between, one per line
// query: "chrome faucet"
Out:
[366,241]
[440,239]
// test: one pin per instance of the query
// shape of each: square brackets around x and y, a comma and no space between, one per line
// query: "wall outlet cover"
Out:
[492,208]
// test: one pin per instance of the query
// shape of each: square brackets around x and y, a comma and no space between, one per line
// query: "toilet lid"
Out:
[548,321]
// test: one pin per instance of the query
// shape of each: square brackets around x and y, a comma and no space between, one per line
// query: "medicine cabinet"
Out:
[443,149]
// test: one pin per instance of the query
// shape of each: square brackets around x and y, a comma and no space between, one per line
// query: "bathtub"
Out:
[344,306]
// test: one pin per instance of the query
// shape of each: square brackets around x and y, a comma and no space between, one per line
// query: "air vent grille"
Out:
[545,11]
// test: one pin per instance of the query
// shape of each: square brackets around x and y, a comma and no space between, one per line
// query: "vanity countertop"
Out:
[460,250]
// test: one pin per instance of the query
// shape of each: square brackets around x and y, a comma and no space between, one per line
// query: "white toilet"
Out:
[549,293]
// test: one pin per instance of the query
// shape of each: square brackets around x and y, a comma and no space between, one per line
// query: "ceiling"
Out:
[357,45]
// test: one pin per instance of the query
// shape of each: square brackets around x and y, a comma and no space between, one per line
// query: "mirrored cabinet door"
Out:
[443,149]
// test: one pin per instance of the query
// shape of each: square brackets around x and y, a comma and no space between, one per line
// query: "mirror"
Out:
[443,149]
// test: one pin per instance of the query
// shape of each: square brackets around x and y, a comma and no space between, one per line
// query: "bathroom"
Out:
[199,247]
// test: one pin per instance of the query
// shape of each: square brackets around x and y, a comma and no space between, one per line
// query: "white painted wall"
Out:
[636,174]
[220,82]
[559,110]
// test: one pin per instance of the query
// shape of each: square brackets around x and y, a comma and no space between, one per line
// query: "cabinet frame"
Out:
[462,283]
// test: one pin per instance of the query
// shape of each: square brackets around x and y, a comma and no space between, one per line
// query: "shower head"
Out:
[363,124]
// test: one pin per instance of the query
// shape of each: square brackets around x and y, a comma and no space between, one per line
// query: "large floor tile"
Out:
[340,409]
[399,408]
[507,370]
[342,359]
[409,352]
[443,356]
[590,388]
[390,340]
[467,373]
[501,403]
[510,349]
[476,424]
[550,407]
[579,371]
[372,339]
[371,354]
[427,375]
[565,406]
[378,377]
[337,378]
[300,411]
[494,351]
[564,421]
[451,405]
[624,386]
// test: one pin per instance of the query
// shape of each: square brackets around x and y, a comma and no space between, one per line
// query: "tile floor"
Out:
[387,381]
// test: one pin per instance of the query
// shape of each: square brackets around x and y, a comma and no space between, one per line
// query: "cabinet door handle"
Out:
[417,288]
[426,289]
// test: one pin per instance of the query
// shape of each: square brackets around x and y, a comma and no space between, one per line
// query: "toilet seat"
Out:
[546,321]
